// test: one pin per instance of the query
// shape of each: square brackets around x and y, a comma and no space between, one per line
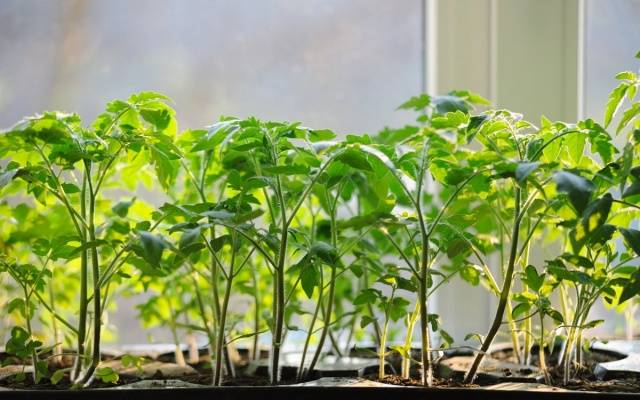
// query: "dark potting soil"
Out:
[583,378]
[437,382]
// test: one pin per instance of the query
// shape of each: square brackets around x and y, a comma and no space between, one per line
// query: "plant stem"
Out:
[95,264]
[279,295]
[327,320]
[82,320]
[376,325]
[310,333]
[332,286]
[54,324]
[504,295]
[217,378]
[513,330]
[382,351]
[216,301]
[256,315]
[27,316]
[179,357]
[541,354]
[411,323]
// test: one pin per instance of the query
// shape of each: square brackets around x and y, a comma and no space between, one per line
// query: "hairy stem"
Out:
[504,295]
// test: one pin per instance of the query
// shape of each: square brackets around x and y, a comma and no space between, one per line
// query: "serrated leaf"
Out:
[613,104]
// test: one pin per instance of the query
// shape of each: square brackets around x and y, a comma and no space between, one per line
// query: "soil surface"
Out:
[437,382]
[584,379]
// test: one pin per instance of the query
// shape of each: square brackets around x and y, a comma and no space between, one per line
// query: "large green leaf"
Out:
[152,247]
[578,189]
[355,159]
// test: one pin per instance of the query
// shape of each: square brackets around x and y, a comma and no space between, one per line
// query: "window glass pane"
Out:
[612,40]
[343,65]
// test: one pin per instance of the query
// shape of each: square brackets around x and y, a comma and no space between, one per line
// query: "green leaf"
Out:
[309,278]
[625,75]
[593,217]
[367,296]
[445,104]
[524,169]
[325,252]
[121,208]
[627,116]
[593,324]
[631,288]
[366,320]
[520,309]
[20,344]
[447,339]
[190,237]
[152,247]
[159,118]
[402,350]
[632,190]
[632,239]
[555,315]
[532,279]
[578,260]
[355,159]
[70,188]
[474,335]
[416,103]
[57,376]
[107,375]
[613,104]
[398,308]
[6,177]
[577,188]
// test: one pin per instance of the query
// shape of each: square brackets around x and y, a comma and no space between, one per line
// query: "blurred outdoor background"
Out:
[339,64]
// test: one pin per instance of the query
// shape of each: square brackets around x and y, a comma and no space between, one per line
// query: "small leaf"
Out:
[613,104]
[632,239]
[520,309]
[416,103]
[593,324]
[57,376]
[555,315]
[366,320]
[121,208]
[107,375]
[532,279]
[627,116]
[309,278]
[367,296]
[474,335]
